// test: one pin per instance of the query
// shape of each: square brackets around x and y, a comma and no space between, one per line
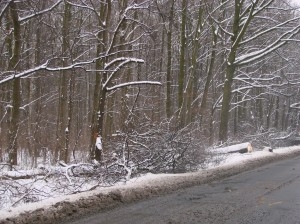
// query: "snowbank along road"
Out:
[268,195]
[65,208]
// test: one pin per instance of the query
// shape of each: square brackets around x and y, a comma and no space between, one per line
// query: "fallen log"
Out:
[245,147]
[21,174]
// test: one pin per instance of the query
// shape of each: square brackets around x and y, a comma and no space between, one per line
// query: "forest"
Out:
[148,85]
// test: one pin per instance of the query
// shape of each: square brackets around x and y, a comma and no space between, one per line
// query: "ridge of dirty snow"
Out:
[64,208]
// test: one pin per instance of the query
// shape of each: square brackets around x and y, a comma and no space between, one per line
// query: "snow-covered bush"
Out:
[159,148]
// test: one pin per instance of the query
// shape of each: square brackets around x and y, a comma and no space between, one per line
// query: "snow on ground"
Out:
[63,206]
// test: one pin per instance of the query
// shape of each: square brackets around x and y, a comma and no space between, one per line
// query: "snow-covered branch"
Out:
[25,73]
[45,67]
[121,21]
[84,6]
[4,8]
[256,55]
[132,84]
[74,65]
[295,105]
[291,40]
[245,24]
[40,12]
[253,37]
[284,137]
[123,61]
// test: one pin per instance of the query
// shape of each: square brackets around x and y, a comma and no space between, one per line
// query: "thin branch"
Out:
[4,9]
[40,12]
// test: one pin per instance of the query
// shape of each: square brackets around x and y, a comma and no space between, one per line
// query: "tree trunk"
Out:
[193,79]
[209,75]
[169,61]
[101,77]
[223,132]
[181,74]
[238,32]
[269,114]
[16,88]
[277,113]
[62,146]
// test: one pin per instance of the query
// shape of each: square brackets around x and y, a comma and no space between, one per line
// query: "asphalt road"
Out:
[269,195]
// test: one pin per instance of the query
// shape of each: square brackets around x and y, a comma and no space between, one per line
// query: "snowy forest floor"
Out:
[29,198]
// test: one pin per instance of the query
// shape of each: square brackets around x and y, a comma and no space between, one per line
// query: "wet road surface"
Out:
[269,195]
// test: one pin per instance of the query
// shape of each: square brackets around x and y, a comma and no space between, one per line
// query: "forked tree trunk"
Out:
[238,32]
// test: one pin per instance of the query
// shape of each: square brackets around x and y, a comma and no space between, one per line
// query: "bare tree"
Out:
[244,16]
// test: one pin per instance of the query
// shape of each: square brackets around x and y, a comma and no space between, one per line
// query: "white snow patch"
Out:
[99,143]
